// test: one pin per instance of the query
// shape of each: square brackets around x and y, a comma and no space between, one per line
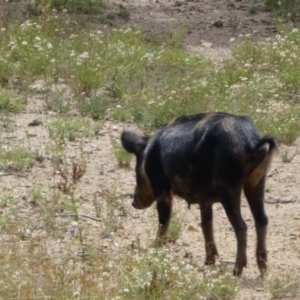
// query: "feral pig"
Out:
[205,158]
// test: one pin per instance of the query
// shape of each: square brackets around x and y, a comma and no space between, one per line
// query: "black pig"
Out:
[205,158]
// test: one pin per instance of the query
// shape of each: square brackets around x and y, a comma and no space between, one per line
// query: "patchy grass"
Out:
[69,129]
[219,284]
[262,81]
[123,157]
[175,228]
[8,104]
[16,158]
[288,10]
[284,285]
[150,81]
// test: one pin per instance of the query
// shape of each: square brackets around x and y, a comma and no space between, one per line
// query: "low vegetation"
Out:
[287,10]
[117,74]
[286,285]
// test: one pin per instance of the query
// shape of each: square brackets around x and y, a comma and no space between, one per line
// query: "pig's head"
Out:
[143,194]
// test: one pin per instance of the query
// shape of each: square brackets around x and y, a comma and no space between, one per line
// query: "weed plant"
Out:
[284,285]
[69,129]
[8,104]
[17,158]
[288,10]
[175,228]
[123,157]
[129,76]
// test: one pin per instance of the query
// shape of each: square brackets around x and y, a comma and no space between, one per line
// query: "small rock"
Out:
[207,45]
[179,3]
[35,123]
[102,132]
[192,228]
[218,23]
[114,128]
[38,86]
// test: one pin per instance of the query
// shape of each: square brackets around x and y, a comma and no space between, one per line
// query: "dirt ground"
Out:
[104,174]
[212,25]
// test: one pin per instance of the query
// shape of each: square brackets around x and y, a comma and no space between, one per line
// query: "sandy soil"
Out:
[212,25]
[103,173]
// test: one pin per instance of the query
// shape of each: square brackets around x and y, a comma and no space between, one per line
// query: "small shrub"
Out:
[85,6]
[57,102]
[115,211]
[69,129]
[156,275]
[7,104]
[284,285]
[123,12]
[286,157]
[18,158]
[253,9]
[288,9]
[123,157]
[219,284]
[175,228]
[5,200]
[94,106]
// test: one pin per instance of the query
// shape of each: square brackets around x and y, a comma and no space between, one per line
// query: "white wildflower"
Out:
[49,45]
[83,55]
[76,294]
[282,54]
[295,30]
[24,43]
[148,56]
[37,38]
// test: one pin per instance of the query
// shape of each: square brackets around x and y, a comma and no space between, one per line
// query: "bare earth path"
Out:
[210,24]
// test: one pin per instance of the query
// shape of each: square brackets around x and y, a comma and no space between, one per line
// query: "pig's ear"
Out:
[132,142]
